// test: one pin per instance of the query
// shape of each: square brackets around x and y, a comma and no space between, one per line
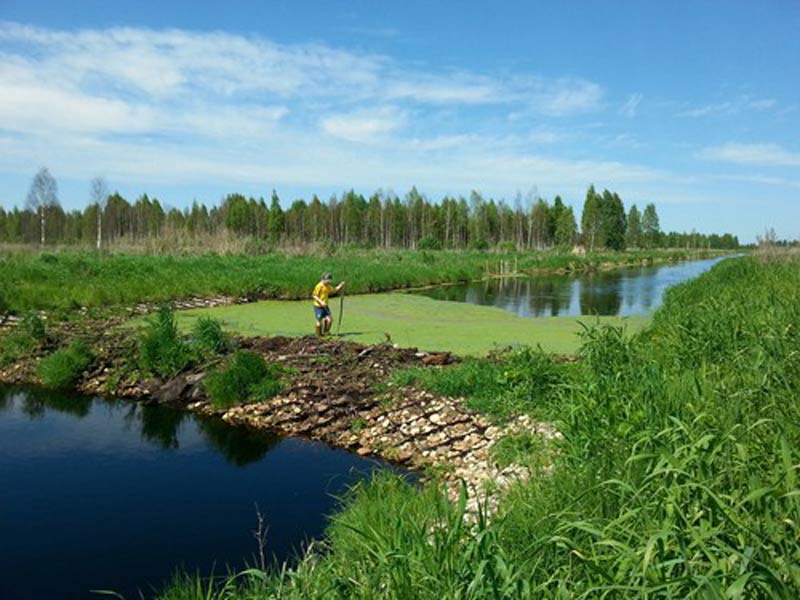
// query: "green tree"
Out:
[613,216]
[592,220]
[633,234]
[651,229]
[566,228]
[42,197]
[276,219]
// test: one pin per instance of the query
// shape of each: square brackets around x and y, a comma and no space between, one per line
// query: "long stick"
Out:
[341,305]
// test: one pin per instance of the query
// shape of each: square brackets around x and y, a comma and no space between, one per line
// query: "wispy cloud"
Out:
[770,155]
[733,106]
[631,106]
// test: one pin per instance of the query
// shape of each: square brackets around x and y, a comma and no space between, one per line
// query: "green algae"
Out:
[412,321]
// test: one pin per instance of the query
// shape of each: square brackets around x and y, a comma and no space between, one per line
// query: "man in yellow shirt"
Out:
[322,291]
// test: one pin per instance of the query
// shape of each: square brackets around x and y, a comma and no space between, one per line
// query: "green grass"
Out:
[677,474]
[245,377]
[64,367]
[410,321]
[68,280]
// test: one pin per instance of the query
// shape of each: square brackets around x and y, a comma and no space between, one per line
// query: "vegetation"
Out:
[380,221]
[676,476]
[65,281]
[246,377]
[162,350]
[410,321]
[64,367]
[22,340]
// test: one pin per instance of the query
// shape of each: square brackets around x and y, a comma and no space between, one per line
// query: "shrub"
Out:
[208,336]
[64,367]
[429,243]
[161,349]
[33,325]
[246,377]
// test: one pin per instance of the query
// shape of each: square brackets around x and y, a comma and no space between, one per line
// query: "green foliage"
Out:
[162,351]
[429,243]
[65,366]
[33,326]
[105,280]
[521,449]
[14,345]
[677,476]
[246,377]
[208,336]
[518,381]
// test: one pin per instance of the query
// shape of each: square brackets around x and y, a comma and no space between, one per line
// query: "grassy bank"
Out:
[411,321]
[68,280]
[677,476]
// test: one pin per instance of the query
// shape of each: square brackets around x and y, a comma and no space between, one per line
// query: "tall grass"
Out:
[65,366]
[68,280]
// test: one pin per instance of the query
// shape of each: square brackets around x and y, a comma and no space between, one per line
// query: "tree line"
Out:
[383,220]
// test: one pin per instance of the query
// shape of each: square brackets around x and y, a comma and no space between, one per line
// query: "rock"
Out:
[172,391]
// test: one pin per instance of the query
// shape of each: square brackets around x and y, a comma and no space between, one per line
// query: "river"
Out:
[101,494]
[625,292]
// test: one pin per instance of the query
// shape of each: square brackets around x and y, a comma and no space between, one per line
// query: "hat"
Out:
[326,277]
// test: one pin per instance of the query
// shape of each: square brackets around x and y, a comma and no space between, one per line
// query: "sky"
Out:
[691,105]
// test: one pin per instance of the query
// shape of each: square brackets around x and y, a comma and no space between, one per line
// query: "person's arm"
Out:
[340,286]
[319,300]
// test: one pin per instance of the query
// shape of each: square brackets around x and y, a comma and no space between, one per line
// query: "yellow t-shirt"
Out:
[322,291]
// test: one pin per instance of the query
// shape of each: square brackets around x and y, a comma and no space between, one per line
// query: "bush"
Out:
[479,245]
[64,367]
[429,243]
[161,349]
[246,377]
[33,325]
[208,336]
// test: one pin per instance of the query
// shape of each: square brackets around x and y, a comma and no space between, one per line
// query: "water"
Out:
[631,291]
[98,494]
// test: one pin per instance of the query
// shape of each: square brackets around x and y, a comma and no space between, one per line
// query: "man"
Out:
[322,291]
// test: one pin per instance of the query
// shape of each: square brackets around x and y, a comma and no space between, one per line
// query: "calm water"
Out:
[633,291]
[96,494]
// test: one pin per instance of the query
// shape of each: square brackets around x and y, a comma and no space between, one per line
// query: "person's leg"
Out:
[328,322]
[319,328]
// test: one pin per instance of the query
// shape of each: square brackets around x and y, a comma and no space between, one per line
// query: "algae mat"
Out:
[412,321]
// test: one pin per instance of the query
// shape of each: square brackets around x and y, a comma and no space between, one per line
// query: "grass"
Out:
[63,367]
[677,474]
[410,321]
[245,377]
[68,280]
[23,340]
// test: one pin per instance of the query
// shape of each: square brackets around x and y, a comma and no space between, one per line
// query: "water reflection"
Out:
[111,495]
[158,426]
[624,292]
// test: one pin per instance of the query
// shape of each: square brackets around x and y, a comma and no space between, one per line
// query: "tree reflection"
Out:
[239,445]
[600,294]
[157,425]
[34,402]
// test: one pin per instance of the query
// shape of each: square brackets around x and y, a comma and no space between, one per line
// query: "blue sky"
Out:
[692,105]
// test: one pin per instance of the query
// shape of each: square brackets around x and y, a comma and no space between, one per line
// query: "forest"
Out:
[384,220]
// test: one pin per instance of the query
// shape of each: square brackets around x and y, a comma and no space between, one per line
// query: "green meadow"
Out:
[411,321]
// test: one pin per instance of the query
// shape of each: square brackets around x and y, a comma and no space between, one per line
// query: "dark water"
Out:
[632,291]
[97,494]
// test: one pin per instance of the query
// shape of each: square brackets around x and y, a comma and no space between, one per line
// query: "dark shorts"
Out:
[322,312]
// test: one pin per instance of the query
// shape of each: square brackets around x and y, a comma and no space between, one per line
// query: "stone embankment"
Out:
[340,393]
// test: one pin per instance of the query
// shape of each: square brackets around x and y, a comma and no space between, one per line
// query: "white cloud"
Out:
[770,155]
[363,126]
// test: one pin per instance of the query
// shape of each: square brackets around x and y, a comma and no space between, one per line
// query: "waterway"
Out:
[101,494]
[624,292]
